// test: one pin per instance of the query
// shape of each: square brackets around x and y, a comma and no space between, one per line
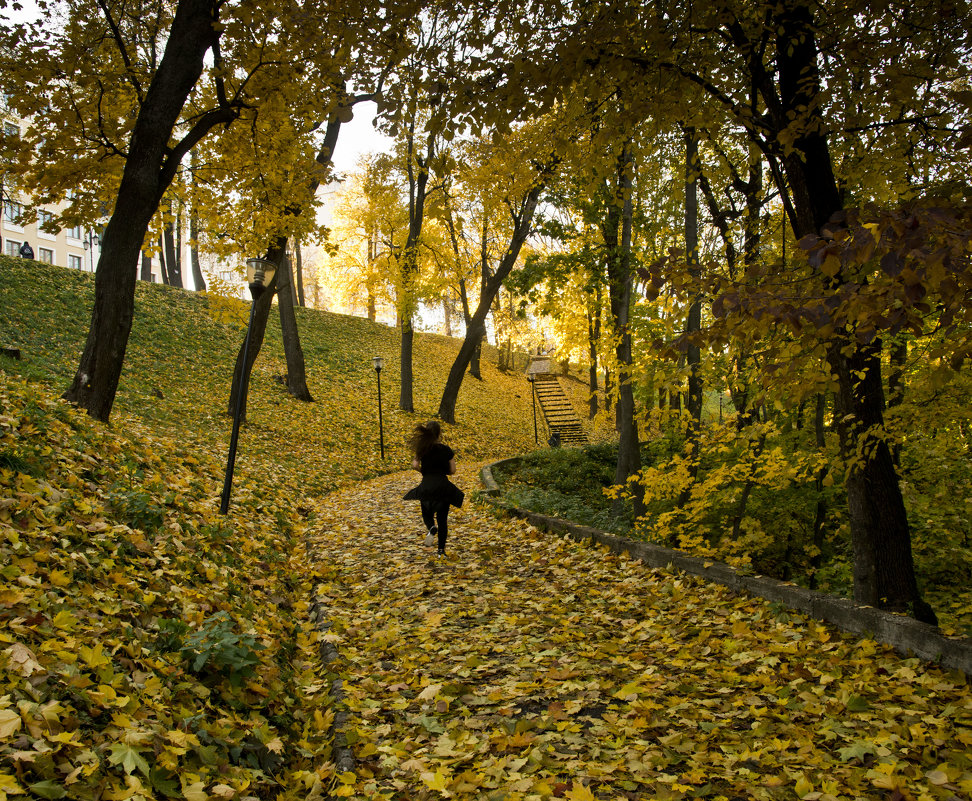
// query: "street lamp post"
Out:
[90,243]
[533,394]
[259,273]
[379,363]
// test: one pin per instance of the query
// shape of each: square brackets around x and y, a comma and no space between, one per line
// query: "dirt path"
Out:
[527,666]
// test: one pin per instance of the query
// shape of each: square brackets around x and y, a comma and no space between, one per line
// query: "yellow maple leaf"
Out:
[436,781]
[579,792]
[60,578]
[803,786]
[94,657]
[8,784]
[195,792]
[10,722]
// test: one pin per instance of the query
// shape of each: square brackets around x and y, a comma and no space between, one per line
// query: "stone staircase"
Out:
[557,410]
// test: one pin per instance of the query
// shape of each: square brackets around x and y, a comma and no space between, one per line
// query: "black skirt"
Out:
[436,488]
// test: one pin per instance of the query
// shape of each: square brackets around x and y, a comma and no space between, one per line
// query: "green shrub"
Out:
[217,649]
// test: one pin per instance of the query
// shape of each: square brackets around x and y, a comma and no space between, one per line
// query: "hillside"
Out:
[183,347]
[149,646]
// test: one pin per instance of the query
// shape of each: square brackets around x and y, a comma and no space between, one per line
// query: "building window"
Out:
[45,226]
[74,232]
[13,248]
[12,212]
[46,255]
[74,262]
[11,130]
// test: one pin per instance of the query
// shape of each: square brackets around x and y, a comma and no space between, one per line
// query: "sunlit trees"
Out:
[119,96]
[507,179]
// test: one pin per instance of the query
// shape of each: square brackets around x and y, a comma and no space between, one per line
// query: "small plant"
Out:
[136,508]
[11,460]
[217,648]
[172,632]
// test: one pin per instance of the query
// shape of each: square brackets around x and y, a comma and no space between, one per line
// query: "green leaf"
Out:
[47,789]
[126,756]
[857,704]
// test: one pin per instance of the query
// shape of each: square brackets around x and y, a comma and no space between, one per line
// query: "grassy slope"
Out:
[183,345]
[149,646]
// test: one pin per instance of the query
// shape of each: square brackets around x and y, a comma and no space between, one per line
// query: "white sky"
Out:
[358,138]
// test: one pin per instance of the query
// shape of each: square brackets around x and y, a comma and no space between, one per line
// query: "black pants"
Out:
[436,513]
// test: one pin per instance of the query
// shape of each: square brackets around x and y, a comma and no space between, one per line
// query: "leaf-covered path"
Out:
[529,666]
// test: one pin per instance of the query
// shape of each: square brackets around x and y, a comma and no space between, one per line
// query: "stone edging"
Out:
[906,635]
[341,753]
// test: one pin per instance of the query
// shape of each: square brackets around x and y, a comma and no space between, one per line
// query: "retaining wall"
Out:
[906,635]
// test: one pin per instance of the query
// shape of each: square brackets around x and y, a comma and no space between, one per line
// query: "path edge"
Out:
[904,634]
[341,753]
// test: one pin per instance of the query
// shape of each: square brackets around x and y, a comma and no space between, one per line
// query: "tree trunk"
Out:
[617,239]
[277,253]
[593,339]
[740,512]
[163,262]
[475,360]
[144,180]
[299,274]
[476,328]
[883,564]
[198,281]
[197,277]
[416,216]
[294,353]
[820,514]
[146,268]
[257,330]
[693,325]
[173,264]
[896,386]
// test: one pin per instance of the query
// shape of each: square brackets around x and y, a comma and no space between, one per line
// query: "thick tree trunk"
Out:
[146,268]
[294,353]
[257,330]
[883,564]
[617,239]
[476,327]
[896,386]
[475,361]
[173,263]
[143,183]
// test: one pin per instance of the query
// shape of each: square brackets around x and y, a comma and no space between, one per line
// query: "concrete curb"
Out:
[905,635]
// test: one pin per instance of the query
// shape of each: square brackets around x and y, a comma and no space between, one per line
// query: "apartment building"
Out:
[77,247]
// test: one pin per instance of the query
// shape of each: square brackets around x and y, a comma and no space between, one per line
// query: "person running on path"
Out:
[436,461]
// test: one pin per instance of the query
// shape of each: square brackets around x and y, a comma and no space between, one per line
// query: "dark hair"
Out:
[424,437]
